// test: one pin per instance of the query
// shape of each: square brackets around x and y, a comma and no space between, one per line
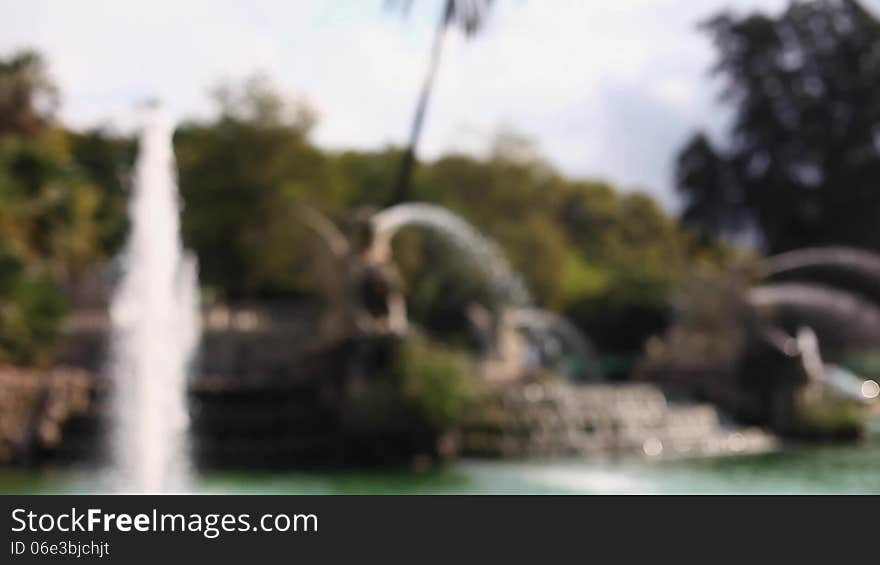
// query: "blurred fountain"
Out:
[506,284]
[155,325]
[556,343]
[553,342]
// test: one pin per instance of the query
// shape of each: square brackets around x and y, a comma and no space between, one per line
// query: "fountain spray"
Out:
[155,325]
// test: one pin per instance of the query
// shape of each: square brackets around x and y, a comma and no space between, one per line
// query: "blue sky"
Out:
[606,89]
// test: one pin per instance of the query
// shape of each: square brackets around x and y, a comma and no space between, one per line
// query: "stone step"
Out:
[566,418]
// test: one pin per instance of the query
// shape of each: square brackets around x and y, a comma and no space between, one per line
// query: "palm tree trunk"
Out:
[404,178]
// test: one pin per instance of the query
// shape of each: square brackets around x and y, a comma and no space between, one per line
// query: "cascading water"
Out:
[551,336]
[484,255]
[156,325]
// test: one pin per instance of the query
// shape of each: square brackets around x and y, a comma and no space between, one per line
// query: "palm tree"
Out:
[467,15]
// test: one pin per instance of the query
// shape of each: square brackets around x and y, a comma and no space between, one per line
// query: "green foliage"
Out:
[437,382]
[48,233]
[46,209]
[582,247]
[824,415]
[607,259]
[369,177]
[427,388]
[31,310]
[242,177]
[107,162]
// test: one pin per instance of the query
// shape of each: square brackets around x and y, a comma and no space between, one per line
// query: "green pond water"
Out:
[826,469]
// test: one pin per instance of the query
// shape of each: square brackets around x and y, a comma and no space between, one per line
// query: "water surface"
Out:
[848,469]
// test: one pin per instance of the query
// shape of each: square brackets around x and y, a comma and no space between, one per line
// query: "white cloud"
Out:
[606,88]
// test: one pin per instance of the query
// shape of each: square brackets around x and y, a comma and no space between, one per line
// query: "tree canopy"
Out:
[608,259]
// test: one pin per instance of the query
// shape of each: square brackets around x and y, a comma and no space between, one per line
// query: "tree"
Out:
[28,97]
[48,208]
[242,177]
[802,163]
[107,161]
[467,15]
[704,176]
[631,256]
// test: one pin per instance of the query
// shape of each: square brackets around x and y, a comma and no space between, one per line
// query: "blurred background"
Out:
[459,245]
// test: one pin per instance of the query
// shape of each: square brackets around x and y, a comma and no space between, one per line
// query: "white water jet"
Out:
[482,252]
[156,325]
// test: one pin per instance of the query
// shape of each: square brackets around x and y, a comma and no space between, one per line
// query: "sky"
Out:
[606,89]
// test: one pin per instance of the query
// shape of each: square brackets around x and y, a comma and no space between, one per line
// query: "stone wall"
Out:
[36,406]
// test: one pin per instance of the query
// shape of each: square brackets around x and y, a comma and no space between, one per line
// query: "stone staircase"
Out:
[559,418]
